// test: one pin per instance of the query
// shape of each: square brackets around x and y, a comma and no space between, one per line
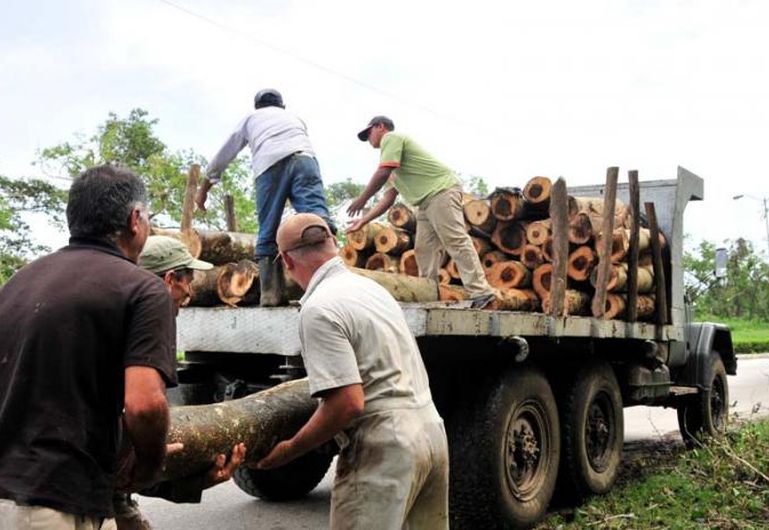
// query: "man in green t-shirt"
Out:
[436,191]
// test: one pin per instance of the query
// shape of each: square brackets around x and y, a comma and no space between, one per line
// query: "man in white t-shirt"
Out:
[284,167]
[364,364]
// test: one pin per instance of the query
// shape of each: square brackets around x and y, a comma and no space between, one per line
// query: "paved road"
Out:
[226,507]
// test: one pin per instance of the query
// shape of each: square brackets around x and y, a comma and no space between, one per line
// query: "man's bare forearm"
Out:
[146,417]
[378,180]
[334,413]
[382,206]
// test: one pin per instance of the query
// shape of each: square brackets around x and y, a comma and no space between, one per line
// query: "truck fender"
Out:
[702,339]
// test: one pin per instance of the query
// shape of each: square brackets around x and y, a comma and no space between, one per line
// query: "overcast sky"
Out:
[502,90]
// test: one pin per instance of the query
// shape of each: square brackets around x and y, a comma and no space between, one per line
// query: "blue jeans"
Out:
[296,178]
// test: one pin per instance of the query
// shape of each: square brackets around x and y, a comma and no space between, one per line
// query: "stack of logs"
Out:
[512,233]
[234,280]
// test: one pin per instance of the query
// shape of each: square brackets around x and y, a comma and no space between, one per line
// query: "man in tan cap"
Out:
[364,364]
[169,258]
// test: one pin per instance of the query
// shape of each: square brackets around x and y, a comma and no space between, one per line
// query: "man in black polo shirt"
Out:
[86,335]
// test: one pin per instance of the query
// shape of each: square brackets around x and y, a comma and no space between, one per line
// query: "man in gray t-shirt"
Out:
[364,364]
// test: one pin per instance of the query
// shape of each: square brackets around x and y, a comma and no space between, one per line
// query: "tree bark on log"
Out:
[364,238]
[506,203]
[226,247]
[581,262]
[510,237]
[452,293]
[204,288]
[537,193]
[224,284]
[403,217]
[532,256]
[618,278]
[408,263]
[538,231]
[575,303]
[392,240]
[190,238]
[403,288]
[478,213]
[518,300]
[594,206]
[259,420]
[382,262]
[509,274]
[620,244]
[352,257]
[616,306]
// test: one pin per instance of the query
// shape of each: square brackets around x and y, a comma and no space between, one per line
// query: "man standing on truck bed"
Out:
[88,343]
[364,364]
[437,193]
[171,261]
[284,167]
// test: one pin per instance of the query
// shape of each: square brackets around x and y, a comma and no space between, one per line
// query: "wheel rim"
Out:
[599,431]
[718,404]
[527,444]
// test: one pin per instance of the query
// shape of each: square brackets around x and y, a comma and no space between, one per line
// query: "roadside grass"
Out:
[748,336]
[723,484]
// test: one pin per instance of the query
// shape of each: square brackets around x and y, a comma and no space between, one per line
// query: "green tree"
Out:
[132,142]
[744,293]
[340,192]
[18,199]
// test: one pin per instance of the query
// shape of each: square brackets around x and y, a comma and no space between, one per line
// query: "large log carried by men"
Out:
[259,420]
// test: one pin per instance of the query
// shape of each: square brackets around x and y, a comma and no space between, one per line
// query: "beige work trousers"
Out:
[20,517]
[441,228]
[394,473]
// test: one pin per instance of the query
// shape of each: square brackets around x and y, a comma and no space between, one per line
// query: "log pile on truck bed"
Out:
[512,232]
[523,237]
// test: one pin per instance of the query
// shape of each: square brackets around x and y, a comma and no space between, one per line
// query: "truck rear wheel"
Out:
[504,448]
[706,414]
[592,427]
[292,481]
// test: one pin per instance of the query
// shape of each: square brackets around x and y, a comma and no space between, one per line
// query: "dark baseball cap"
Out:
[268,97]
[376,120]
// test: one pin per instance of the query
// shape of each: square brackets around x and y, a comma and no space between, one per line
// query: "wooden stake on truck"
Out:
[558,216]
[604,252]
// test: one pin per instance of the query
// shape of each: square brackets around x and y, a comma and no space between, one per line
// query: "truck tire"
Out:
[292,481]
[504,447]
[592,428]
[706,413]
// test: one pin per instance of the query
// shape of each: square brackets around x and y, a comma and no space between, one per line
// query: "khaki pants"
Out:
[441,227]
[19,517]
[393,474]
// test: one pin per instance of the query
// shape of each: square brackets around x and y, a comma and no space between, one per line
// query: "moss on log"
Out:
[260,421]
